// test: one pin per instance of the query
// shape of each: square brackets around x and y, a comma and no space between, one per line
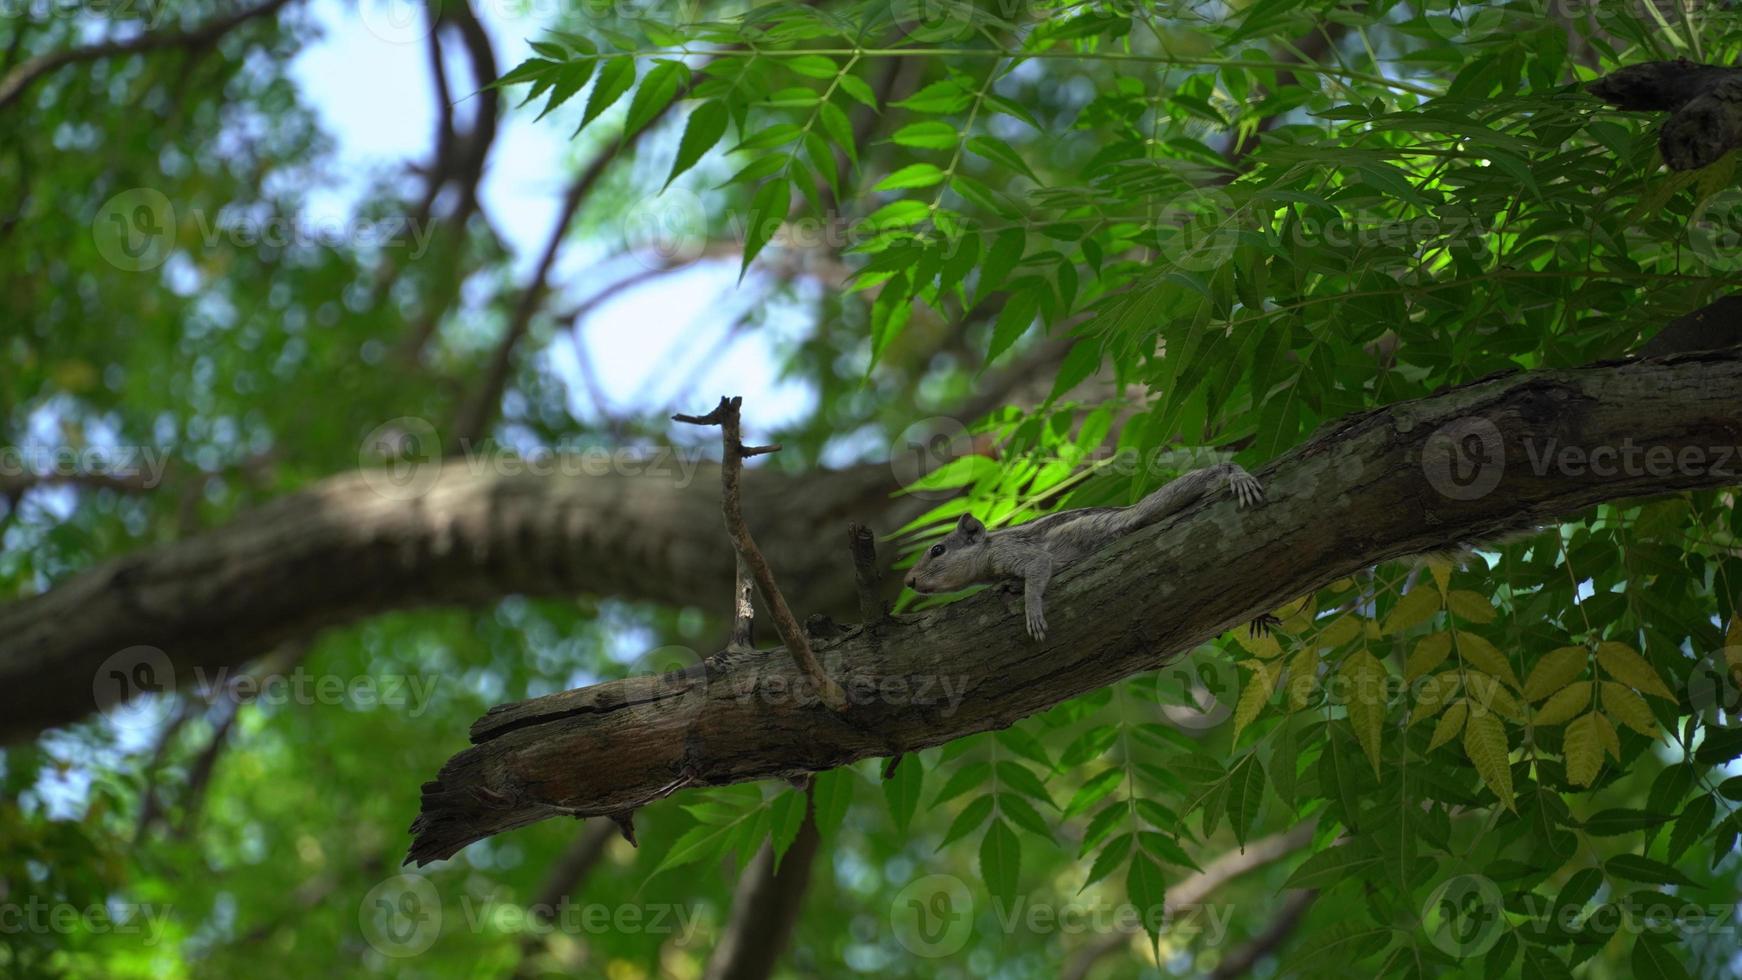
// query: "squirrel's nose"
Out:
[908,581]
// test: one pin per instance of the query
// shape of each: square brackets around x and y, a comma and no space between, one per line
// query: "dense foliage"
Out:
[1249,219]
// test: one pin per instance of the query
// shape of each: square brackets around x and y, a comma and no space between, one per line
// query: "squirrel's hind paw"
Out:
[1263,625]
[1037,626]
[1246,488]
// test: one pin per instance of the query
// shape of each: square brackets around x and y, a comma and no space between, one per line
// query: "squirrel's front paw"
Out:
[1037,625]
[1246,488]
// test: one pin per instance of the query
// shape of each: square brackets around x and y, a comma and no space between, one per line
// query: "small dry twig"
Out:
[725,415]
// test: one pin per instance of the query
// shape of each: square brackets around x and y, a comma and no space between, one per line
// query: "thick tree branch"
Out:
[1372,487]
[360,544]
[1704,103]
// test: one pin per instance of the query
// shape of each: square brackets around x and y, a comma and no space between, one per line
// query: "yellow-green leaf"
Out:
[1256,694]
[1611,740]
[1363,679]
[1620,703]
[1340,631]
[1473,606]
[1485,744]
[1628,667]
[1564,705]
[1554,671]
[1303,676]
[1429,653]
[1450,724]
[1297,616]
[1433,694]
[1478,652]
[1442,573]
[1583,748]
[1415,608]
[1264,645]
[1486,695]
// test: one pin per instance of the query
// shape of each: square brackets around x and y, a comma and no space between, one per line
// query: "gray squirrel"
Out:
[972,555]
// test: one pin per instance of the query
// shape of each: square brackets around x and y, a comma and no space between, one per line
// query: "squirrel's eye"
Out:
[936,550]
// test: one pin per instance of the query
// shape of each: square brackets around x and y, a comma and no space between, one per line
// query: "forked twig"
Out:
[725,415]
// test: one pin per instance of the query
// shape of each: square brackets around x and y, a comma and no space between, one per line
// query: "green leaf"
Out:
[656,92]
[768,210]
[569,78]
[1014,320]
[1653,959]
[1617,821]
[1107,859]
[1093,791]
[939,98]
[1635,867]
[1001,860]
[1332,866]
[615,78]
[1146,888]
[972,816]
[1004,255]
[703,129]
[993,148]
[910,176]
[813,66]
[831,793]
[1245,793]
[856,88]
[1691,826]
[902,791]
[928,135]
[786,816]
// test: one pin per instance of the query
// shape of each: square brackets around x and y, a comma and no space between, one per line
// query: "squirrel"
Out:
[972,555]
[1030,553]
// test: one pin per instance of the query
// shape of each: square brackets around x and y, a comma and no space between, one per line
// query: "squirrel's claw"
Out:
[1037,626]
[1262,625]
[1246,488]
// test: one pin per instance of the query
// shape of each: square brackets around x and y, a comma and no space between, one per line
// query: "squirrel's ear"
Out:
[969,526]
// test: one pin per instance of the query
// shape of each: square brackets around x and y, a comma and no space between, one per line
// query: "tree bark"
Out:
[343,550]
[1371,487]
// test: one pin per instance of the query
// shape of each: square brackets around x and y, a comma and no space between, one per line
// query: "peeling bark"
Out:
[1375,486]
